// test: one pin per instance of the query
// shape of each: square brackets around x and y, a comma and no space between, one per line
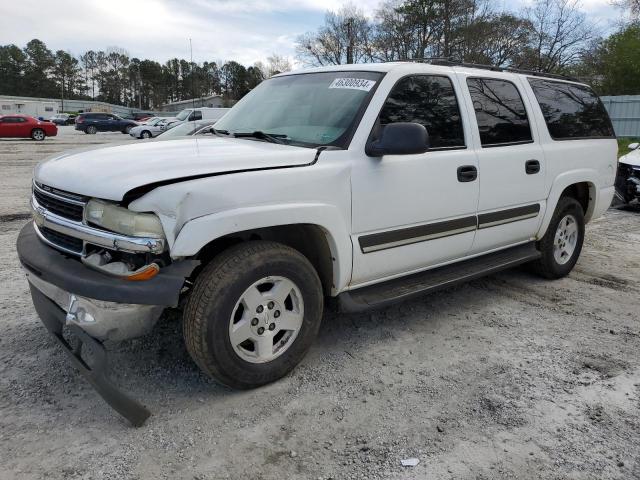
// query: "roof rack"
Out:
[447,61]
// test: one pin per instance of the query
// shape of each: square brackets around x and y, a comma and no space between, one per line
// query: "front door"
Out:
[411,212]
[511,163]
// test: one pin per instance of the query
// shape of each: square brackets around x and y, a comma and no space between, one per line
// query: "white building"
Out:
[34,108]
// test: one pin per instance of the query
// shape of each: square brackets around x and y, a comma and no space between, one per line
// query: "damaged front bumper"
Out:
[627,182]
[95,307]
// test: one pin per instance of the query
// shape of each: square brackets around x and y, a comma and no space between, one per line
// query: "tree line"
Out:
[550,36]
[113,76]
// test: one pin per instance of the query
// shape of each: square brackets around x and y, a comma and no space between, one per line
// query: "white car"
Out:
[371,184]
[152,128]
[628,177]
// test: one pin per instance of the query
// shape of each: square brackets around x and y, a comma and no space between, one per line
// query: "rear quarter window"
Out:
[571,111]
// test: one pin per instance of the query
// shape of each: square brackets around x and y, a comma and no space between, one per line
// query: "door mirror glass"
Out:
[634,146]
[399,139]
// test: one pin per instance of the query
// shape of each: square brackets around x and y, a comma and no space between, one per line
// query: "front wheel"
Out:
[38,134]
[127,129]
[253,313]
[562,244]
[145,134]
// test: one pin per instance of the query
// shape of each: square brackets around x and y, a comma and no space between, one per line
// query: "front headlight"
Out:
[122,220]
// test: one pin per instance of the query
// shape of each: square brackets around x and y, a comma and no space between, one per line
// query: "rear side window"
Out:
[571,111]
[430,101]
[500,112]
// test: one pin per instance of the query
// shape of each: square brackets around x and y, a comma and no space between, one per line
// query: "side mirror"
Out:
[399,139]
[634,146]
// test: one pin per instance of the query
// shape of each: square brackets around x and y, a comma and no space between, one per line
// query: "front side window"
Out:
[571,111]
[500,112]
[311,109]
[430,101]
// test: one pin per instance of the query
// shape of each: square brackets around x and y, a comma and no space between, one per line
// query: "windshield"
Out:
[310,109]
[153,121]
[183,114]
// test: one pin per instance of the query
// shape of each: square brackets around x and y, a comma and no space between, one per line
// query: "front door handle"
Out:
[467,173]
[532,167]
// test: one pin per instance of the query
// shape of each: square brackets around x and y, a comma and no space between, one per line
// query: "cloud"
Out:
[243,30]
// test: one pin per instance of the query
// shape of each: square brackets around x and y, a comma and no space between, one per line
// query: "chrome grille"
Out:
[60,207]
[66,205]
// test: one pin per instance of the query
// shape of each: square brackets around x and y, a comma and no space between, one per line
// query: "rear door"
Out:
[511,162]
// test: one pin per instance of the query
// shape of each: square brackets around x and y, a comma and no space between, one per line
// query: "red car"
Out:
[23,126]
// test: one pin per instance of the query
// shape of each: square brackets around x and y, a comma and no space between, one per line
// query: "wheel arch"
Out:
[308,239]
[309,228]
[578,185]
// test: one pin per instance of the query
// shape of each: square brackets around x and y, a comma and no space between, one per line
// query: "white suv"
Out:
[369,183]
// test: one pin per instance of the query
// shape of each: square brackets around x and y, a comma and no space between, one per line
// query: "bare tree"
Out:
[561,32]
[345,37]
[632,5]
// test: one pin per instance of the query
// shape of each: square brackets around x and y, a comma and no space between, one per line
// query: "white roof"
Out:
[418,67]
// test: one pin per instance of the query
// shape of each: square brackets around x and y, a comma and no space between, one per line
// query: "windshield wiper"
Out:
[218,132]
[259,134]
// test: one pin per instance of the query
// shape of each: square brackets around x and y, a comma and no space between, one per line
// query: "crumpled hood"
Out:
[631,158]
[110,172]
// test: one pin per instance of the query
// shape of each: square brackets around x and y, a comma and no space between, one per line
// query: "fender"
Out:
[561,182]
[196,233]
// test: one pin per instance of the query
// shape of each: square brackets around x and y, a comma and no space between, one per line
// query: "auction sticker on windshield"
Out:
[353,83]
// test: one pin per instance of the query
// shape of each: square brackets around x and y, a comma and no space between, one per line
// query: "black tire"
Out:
[127,129]
[547,266]
[91,130]
[145,134]
[38,134]
[212,301]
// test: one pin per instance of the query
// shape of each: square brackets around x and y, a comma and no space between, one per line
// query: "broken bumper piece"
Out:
[94,370]
[91,306]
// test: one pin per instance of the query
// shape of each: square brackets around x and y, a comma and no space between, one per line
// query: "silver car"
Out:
[153,128]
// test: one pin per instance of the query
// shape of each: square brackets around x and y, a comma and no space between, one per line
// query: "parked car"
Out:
[24,126]
[370,184]
[203,113]
[188,129]
[628,176]
[153,128]
[142,116]
[63,119]
[103,122]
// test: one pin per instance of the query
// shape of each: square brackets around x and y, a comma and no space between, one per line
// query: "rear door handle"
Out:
[467,173]
[532,167]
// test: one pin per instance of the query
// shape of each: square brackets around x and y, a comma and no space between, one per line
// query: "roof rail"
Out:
[447,61]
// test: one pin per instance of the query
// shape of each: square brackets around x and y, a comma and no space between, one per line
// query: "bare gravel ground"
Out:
[509,377]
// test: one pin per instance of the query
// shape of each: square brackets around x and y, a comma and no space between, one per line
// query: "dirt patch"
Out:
[508,377]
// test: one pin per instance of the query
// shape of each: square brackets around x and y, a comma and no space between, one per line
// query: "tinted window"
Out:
[197,115]
[13,120]
[571,111]
[429,101]
[500,112]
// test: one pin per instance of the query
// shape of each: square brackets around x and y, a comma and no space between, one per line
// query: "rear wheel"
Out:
[562,244]
[38,134]
[91,130]
[253,313]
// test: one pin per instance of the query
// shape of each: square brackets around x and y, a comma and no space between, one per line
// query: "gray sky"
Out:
[242,30]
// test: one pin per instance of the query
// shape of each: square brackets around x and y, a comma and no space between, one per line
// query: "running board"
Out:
[399,289]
